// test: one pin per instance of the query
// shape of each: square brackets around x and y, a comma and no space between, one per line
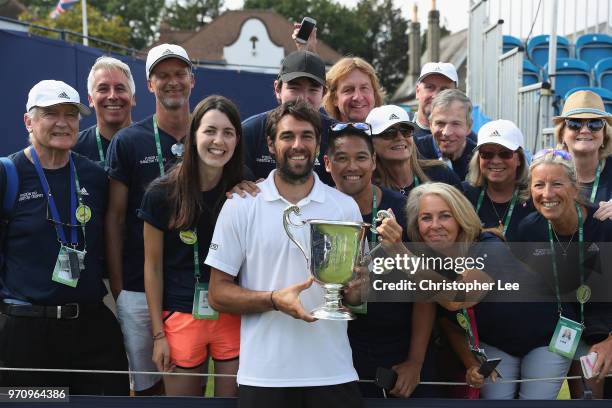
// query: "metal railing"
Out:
[477,25]
[535,113]
[492,49]
[510,80]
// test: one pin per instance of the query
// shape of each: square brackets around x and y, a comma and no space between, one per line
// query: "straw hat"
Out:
[583,105]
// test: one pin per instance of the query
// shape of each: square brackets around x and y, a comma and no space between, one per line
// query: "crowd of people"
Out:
[182,214]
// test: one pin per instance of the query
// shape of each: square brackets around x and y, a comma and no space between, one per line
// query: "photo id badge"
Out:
[566,337]
[68,266]
[201,307]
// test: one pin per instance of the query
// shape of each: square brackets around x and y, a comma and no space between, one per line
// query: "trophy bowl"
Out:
[336,247]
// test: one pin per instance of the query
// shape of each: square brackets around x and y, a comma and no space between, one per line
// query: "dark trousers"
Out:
[326,396]
[93,341]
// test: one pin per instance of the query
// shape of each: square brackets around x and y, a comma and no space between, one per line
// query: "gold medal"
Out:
[462,321]
[83,214]
[583,294]
[188,237]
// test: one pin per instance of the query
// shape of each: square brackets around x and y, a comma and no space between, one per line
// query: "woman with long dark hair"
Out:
[179,211]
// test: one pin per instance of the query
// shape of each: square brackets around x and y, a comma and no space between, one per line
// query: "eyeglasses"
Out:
[503,154]
[554,153]
[594,125]
[362,127]
[390,133]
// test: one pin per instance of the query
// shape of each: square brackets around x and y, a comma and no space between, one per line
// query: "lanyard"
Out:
[374,211]
[580,260]
[100,149]
[160,158]
[466,323]
[596,182]
[510,208]
[196,260]
[73,200]
[406,190]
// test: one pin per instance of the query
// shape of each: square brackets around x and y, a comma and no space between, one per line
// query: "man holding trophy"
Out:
[287,356]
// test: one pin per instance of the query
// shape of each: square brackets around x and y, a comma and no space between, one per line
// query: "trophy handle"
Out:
[381,215]
[287,222]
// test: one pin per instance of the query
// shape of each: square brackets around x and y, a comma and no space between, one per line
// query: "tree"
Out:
[191,14]
[141,16]
[113,30]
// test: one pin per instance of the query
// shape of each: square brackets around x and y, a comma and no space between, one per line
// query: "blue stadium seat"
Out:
[571,73]
[531,73]
[511,42]
[606,95]
[592,48]
[603,73]
[537,48]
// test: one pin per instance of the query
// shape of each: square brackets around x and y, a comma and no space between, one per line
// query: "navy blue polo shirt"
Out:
[31,244]
[178,259]
[257,155]
[132,160]
[386,323]
[489,210]
[88,146]
[604,189]
[429,150]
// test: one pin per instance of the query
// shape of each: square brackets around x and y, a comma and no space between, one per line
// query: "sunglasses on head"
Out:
[594,125]
[362,127]
[502,154]
[391,132]
[554,153]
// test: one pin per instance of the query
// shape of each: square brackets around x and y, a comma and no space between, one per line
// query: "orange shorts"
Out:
[191,339]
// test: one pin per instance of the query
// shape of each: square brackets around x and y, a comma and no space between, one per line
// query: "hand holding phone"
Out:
[488,366]
[308,24]
[588,363]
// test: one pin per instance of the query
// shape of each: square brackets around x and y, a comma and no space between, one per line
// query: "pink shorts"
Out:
[191,339]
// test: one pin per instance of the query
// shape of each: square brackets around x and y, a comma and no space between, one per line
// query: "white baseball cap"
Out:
[502,132]
[165,51]
[382,117]
[50,92]
[441,68]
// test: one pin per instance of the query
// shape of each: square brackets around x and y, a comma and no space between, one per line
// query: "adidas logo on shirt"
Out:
[593,248]
[63,95]
[84,192]
[393,116]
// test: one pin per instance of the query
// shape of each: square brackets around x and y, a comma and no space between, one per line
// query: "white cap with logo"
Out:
[382,117]
[164,51]
[502,132]
[441,68]
[50,92]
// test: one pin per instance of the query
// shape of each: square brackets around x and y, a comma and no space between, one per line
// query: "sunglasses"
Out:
[594,125]
[554,153]
[362,127]
[390,133]
[503,154]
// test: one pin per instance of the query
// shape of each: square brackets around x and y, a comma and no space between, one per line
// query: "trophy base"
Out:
[325,313]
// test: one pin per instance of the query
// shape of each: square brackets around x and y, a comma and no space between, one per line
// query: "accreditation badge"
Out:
[201,307]
[566,337]
[68,266]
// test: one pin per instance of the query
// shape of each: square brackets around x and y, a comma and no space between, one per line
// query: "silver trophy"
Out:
[336,247]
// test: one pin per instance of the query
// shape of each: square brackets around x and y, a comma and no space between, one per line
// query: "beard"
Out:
[291,175]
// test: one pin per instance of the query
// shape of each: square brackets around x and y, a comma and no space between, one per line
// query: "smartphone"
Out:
[488,366]
[587,362]
[385,378]
[308,24]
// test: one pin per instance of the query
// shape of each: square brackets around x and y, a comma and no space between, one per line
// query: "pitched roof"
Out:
[207,43]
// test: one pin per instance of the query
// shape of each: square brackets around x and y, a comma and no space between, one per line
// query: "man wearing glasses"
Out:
[137,155]
[51,289]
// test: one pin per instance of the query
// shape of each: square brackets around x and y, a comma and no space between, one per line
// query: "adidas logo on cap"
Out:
[495,133]
[393,116]
[63,95]
[437,68]
[168,51]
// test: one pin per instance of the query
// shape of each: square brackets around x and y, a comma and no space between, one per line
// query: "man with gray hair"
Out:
[451,125]
[111,90]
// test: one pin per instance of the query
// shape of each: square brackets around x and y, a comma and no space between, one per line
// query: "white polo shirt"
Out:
[250,242]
